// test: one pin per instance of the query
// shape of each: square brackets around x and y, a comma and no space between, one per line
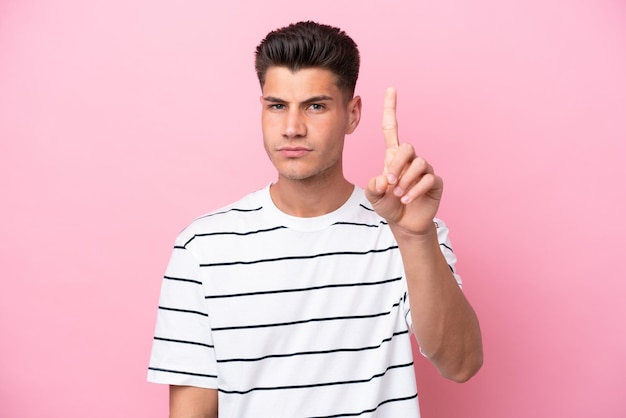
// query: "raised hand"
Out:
[407,193]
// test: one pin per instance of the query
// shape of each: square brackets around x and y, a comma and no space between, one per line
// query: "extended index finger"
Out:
[390,122]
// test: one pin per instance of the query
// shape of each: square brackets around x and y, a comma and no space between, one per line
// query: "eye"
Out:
[317,107]
[276,106]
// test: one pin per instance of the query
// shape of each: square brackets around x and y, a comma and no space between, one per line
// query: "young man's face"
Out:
[304,119]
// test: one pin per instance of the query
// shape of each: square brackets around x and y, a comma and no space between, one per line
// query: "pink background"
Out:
[120,121]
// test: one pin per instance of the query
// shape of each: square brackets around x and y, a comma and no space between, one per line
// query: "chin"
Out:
[295,176]
[293,173]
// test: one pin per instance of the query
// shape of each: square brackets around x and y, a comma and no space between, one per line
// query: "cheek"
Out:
[265,134]
[338,133]
[268,127]
[268,120]
[267,142]
[332,127]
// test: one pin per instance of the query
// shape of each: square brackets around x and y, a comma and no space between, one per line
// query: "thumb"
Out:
[376,188]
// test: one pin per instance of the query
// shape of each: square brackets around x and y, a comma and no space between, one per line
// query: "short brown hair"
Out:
[310,45]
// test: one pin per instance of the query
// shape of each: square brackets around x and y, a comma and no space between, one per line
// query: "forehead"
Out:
[308,82]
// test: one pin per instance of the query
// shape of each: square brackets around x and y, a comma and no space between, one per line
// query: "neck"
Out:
[307,199]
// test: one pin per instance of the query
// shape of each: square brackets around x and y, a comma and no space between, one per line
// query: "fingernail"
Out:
[398,191]
[391,179]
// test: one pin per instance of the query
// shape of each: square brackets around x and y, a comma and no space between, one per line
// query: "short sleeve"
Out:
[182,349]
[446,248]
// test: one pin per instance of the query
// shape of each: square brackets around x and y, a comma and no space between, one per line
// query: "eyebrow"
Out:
[320,98]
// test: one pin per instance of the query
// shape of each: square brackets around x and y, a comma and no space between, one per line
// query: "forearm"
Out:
[192,402]
[444,323]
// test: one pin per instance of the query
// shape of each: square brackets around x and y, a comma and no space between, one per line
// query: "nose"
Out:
[294,126]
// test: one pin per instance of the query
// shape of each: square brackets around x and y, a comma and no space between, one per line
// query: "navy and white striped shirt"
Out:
[287,316]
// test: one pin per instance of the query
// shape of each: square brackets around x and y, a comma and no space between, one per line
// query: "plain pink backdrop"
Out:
[121,121]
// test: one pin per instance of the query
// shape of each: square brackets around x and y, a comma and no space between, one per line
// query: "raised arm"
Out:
[407,194]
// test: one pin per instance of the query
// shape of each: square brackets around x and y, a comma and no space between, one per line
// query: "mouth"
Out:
[293,152]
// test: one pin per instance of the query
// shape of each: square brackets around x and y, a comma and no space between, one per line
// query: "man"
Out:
[299,299]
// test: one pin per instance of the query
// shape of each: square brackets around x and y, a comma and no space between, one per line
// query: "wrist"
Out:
[427,236]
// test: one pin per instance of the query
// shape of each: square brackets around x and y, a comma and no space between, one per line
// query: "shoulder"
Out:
[227,216]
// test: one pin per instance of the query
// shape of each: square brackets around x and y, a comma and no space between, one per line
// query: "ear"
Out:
[354,114]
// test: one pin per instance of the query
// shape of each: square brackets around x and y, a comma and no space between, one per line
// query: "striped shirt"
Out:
[287,316]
